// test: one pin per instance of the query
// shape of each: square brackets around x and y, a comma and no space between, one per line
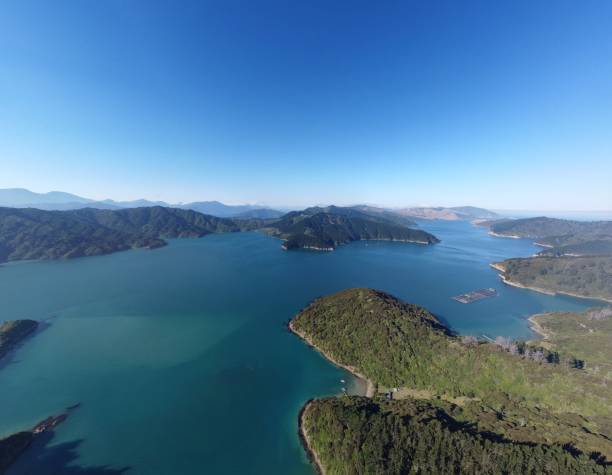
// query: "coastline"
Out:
[535,327]
[370,388]
[330,249]
[544,291]
[302,432]
[303,435]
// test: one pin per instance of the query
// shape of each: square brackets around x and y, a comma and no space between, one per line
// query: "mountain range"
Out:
[457,213]
[61,201]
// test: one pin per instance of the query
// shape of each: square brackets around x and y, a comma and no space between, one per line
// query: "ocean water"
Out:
[180,357]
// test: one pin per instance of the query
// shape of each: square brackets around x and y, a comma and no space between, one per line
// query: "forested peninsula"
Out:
[576,258]
[28,233]
[324,229]
[448,404]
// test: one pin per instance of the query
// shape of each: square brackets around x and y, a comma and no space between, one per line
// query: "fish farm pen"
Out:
[475,295]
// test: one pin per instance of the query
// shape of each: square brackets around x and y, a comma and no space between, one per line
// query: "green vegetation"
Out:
[584,337]
[503,405]
[589,277]
[358,435]
[577,258]
[551,228]
[326,228]
[36,234]
[561,236]
[14,332]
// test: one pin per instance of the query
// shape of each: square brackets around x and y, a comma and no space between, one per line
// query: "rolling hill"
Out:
[35,234]
[451,404]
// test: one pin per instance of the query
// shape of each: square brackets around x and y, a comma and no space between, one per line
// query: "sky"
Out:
[505,104]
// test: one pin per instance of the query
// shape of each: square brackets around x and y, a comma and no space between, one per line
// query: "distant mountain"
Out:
[325,228]
[60,201]
[458,213]
[112,204]
[388,214]
[37,234]
[472,212]
[216,208]
[22,198]
[259,213]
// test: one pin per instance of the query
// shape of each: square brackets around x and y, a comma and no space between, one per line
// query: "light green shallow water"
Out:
[180,357]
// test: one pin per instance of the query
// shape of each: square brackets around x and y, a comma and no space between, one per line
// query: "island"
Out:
[323,229]
[444,403]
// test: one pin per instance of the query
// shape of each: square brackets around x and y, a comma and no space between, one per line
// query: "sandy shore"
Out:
[536,327]
[370,390]
[303,433]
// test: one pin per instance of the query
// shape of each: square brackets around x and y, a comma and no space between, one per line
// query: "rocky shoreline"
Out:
[303,434]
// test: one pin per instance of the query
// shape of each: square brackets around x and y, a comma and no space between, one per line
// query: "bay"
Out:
[180,357]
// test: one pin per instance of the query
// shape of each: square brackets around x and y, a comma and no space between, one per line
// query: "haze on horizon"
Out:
[504,106]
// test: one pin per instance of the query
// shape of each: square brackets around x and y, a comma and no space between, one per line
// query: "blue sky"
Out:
[497,104]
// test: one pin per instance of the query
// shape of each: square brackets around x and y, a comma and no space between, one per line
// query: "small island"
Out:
[444,403]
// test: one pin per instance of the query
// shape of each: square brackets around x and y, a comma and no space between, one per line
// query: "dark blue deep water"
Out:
[180,357]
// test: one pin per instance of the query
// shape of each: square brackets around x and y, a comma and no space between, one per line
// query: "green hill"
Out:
[476,395]
[561,236]
[543,227]
[36,234]
[326,228]
[589,277]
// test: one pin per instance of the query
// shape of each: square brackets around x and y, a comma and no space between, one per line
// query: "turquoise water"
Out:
[180,357]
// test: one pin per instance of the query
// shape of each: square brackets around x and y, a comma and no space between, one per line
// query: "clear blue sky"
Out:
[502,104]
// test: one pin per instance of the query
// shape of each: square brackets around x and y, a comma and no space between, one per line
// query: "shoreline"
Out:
[370,388]
[330,249]
[535,327]
[544,291]
[313,458]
